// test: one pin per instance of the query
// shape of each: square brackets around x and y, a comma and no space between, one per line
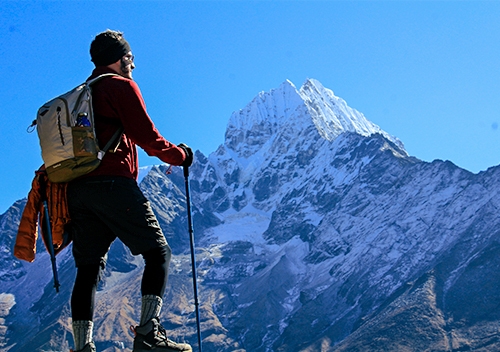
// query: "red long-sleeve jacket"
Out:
[117,101]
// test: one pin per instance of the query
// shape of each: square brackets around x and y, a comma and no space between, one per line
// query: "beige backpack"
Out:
[65,127]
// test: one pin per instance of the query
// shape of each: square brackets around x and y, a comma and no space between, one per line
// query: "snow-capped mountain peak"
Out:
[289,109]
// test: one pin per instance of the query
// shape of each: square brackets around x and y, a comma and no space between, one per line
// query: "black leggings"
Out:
[154,280]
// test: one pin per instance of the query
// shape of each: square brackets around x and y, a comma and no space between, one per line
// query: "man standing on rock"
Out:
[107,203]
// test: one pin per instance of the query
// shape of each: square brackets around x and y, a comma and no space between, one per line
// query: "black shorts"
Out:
[103,208]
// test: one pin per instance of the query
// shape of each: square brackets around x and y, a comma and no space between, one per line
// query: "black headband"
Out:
[112,53]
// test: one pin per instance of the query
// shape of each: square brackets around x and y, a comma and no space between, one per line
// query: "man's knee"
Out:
[89,273]
[158,256]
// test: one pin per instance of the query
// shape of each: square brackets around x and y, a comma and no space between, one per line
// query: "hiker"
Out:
[107,203]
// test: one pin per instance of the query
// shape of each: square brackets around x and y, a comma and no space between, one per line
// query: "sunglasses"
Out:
[129,58]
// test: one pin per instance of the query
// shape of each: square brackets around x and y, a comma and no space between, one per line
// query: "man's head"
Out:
[110,48]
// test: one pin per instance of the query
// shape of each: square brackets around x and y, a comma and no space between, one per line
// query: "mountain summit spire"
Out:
[291,111]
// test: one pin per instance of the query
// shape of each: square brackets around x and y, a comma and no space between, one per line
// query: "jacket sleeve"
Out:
[59,215]
[27,234]
[139,127]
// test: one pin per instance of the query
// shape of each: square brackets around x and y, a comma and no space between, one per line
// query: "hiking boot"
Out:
[90,347]
[152,336]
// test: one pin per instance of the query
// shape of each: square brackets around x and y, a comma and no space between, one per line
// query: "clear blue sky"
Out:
[426,72]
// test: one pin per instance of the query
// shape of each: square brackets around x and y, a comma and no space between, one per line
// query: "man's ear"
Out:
[116,66]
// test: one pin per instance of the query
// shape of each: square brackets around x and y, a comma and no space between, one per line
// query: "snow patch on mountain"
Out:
[245,225]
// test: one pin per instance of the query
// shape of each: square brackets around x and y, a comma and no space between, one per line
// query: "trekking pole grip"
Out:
[186,171]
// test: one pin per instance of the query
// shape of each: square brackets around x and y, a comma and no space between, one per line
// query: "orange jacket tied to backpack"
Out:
[27,234]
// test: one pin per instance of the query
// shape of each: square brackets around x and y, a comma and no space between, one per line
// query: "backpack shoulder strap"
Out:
[98,78]
[119,132]
[115,138]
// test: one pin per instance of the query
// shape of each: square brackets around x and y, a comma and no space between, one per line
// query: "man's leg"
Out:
[154,281]
[91,241]
[82,304]
[133,221]
[150,335]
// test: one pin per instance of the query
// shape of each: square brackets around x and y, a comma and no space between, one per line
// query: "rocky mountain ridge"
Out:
[315,231]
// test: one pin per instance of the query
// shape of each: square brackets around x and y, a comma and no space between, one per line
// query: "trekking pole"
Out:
[193,259]
[47,234]
[50,245]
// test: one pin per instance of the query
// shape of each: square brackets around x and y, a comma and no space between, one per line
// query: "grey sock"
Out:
[151,307]
[82,333]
